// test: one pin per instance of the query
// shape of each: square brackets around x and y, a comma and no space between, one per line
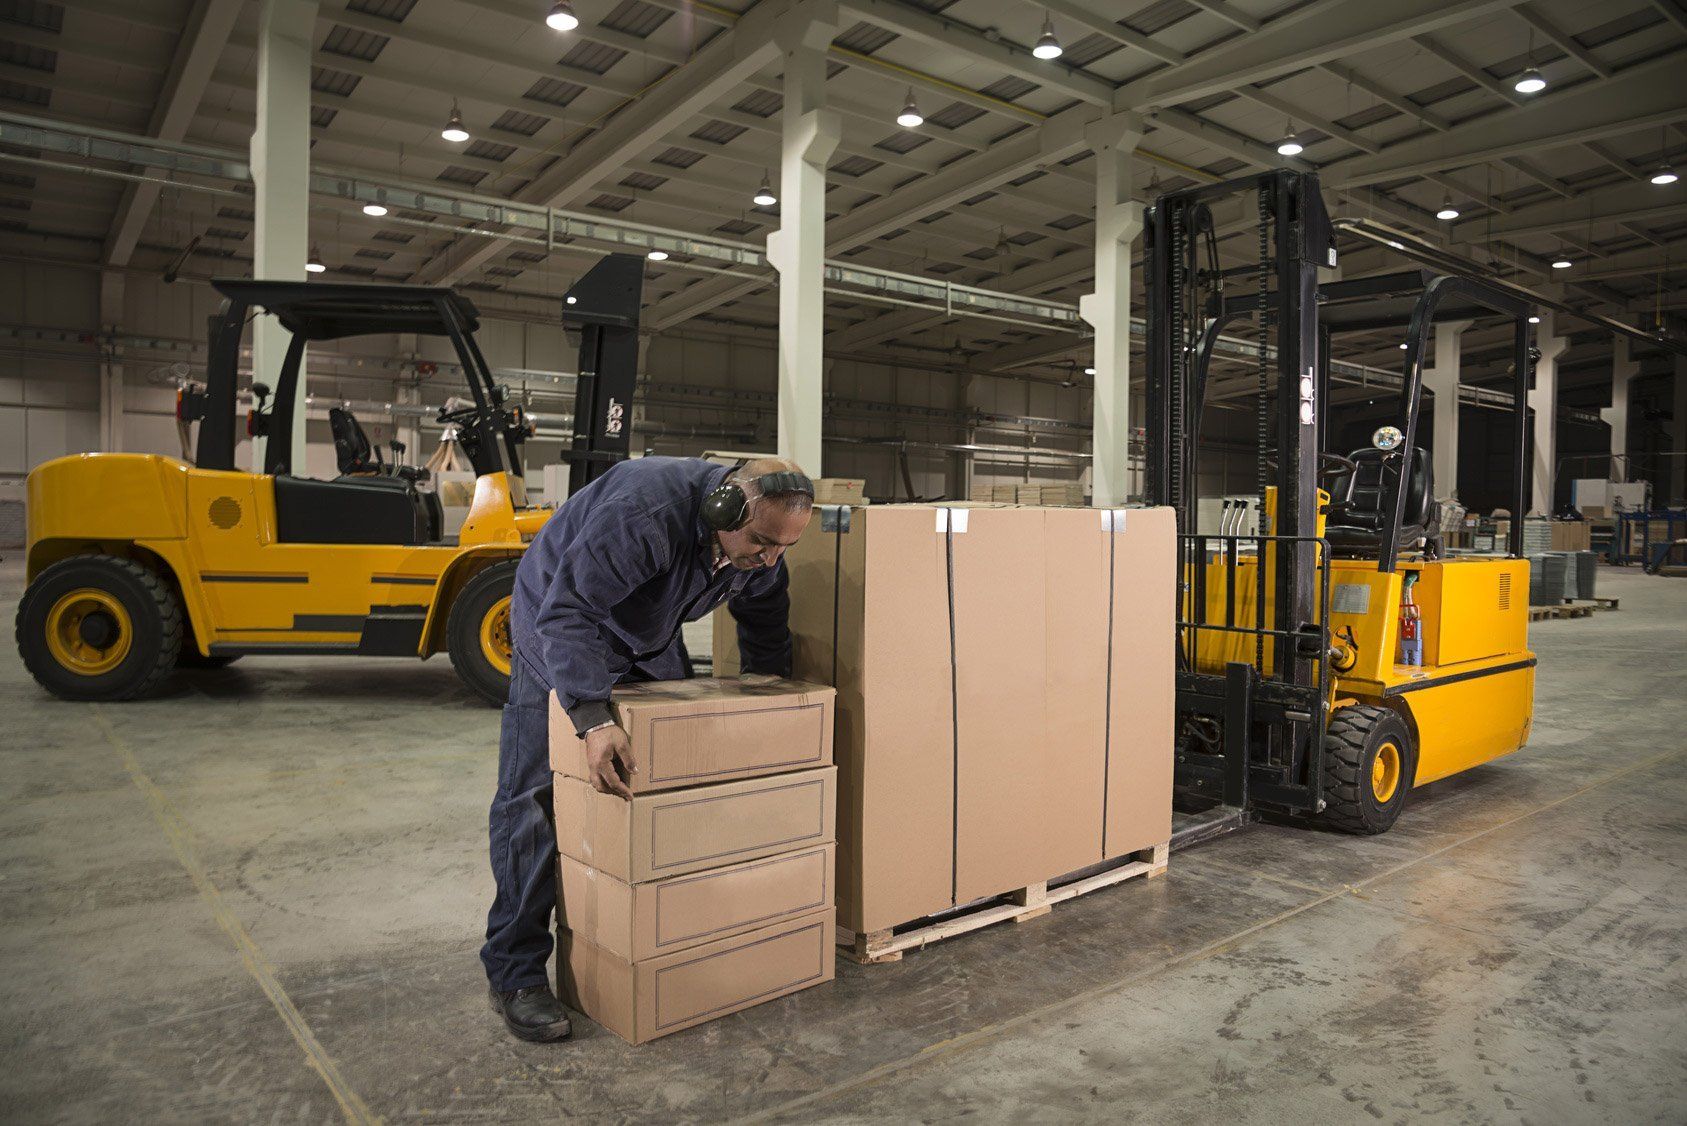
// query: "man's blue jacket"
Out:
[610,578]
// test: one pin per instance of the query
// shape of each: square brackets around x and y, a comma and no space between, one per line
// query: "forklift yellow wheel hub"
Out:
[495,635]
[89,632]
[1385,772]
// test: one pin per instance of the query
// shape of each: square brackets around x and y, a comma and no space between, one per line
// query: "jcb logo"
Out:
[612,420]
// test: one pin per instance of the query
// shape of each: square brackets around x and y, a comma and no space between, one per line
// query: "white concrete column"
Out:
[798,248]
[1623,369]
[1543,400]
[281,176]
[111,362]
[1443,379]
[1118,220]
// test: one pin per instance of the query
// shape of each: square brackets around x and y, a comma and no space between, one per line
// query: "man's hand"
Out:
[758,679]
[609,758]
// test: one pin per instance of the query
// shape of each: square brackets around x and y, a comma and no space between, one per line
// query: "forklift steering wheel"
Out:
[1335,464]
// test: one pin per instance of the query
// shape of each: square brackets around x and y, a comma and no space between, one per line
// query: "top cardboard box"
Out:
[692,732]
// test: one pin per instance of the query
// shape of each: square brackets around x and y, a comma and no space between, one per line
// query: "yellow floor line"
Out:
[251,956]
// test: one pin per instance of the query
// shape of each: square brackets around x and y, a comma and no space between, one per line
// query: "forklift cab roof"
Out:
[333,310]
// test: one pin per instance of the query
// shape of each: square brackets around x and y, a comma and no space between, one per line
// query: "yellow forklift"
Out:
[1329,659]
[139,563]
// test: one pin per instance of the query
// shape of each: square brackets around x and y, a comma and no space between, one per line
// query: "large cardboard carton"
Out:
[641,921]
[640,1001]
[690,732]
[1005,693]
[1570,535]
[1030,642]
[1142,680]
[673,832]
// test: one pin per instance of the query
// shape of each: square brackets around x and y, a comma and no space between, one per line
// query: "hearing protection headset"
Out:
[726,508]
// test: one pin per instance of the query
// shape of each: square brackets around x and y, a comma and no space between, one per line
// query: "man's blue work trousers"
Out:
[518,927]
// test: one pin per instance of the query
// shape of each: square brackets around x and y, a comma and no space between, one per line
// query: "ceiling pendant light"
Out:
[1664,175]
[910,117]
[1448,212]
[1089,371]
[562,17]
[1534,320]
[1290,144]
[1561,263]
[375,210]
[454,131]
[1048,47]
[313,264]
[764,196]
[657,255]
[1531,81]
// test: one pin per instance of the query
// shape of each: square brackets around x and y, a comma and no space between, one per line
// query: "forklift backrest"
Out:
[351,445]
[1358,512]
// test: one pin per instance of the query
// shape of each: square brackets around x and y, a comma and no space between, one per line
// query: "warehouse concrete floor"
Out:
[260,895]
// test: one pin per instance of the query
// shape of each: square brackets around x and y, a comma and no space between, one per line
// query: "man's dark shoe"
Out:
[533,1014]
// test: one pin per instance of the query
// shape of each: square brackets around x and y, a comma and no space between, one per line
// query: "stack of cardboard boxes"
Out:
[712,889]
[1005,682]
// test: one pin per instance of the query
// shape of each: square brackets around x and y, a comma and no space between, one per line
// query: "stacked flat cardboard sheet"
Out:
[712,889]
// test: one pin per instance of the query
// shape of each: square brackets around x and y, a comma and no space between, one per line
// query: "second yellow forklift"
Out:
[1335,660]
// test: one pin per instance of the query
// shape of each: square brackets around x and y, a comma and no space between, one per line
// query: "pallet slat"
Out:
[1021,905]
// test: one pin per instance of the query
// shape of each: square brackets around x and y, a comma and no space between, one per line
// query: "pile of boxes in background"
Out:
[712,889]
[1068,494]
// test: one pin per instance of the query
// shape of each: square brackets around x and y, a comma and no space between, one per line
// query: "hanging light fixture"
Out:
[657,255]
[1448,212]
[1665,174]
[1048,47]
[375,210]
[454,131]
[1531,81]
[313,264]
[1089,371]
[562,17]
[910,117]
[1534,320]
[764,196]
[1290,144]
[1561,263]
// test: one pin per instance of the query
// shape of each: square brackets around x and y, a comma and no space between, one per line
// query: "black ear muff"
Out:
[725,507]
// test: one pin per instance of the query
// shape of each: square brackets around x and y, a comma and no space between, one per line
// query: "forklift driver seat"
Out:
[351,444]
[356,457]
[1356,517]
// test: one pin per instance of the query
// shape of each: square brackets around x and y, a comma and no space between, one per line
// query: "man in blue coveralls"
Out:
[599,599]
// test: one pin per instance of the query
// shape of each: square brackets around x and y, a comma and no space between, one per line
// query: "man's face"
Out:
[763,539]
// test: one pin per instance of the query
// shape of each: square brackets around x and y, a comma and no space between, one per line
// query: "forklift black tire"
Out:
[99,627]
[1369,765]
[477,632]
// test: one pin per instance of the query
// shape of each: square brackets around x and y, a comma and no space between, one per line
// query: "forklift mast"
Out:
[1254,731]
[604,306]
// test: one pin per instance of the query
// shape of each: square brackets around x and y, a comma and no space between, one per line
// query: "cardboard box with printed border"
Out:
[696,732]
[673,832]
[640,1001]
[648,920]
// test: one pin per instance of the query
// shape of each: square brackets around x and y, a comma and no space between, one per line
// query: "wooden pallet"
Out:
[1021,906]
[1592,603]
[1568,610]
